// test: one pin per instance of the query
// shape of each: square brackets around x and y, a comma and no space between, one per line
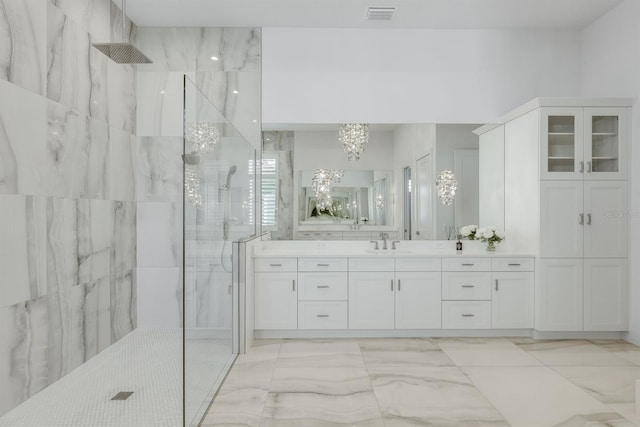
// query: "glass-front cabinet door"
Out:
[562,143]
[605,143]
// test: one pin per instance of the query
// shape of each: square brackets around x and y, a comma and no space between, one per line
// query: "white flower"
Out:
[465,231]
[500,234]
[487,233]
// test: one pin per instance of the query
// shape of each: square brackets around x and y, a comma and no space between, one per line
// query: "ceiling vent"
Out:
[380,13]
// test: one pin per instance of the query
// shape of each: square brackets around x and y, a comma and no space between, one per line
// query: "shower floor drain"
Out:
[122,395]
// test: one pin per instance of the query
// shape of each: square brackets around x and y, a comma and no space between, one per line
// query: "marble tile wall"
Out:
[177,52]
[68,162]
[281,143]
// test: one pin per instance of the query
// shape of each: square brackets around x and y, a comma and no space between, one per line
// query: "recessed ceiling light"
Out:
[235,91]
[255,121]
[214,58]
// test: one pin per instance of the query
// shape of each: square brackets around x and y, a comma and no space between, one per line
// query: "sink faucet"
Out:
[393,244]
[384,237]
[376,243]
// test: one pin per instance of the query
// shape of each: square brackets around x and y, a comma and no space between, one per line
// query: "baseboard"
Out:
[405,333]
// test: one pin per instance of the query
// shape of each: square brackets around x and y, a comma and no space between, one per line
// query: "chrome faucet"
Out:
[393,244]
[376,243]
[384,236]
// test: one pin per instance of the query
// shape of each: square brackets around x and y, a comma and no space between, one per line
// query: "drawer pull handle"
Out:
[275,265]
[293,284]
[323,265]
[496,284]
[467,265]
[468,286]
[391,285]
[322,315]
[514,264]
[323,286]
[468,315]
[398,284]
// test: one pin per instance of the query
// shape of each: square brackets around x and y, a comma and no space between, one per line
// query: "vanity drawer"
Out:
[466,314]
[512,264]
[322,286]
[466,264]
[319,235]
[322,315]
[375,263]
[418,264]
[276,264]
[466,286]
[322,264]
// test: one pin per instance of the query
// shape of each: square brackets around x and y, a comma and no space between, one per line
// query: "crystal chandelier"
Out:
[379,201]
[192,186]
[203,136]
[446,186]
[322,185]
[353,136]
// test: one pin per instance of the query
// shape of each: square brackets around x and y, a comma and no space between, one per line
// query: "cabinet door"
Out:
[512,300]
[561,145]
[606,221]
[561,219]
[371,297]
[418,301]
[605,295]
[605,143]
[276,301]
[559,305]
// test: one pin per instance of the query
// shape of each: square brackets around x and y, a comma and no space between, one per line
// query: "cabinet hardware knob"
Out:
[323,286]
[467,265]
[514,264]
[581,221]
[322,315]
[589,167]
[496,284]
[275,265]
[588,219]
[468,315]
[323,265]
[293,285]
[468,286]
[581,167]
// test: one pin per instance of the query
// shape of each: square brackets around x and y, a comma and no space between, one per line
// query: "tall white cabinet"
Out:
[566,200]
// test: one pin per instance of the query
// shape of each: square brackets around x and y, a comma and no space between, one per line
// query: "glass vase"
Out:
[491,246]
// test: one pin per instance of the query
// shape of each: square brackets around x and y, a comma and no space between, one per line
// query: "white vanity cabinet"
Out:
[322,293]
[276,296]
[371,300]
[466,293]
[512,293]
[418,293]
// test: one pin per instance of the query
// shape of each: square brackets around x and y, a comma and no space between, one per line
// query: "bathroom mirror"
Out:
[360,198]
[407,156]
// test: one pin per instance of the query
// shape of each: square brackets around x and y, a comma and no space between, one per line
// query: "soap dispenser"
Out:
[459,244]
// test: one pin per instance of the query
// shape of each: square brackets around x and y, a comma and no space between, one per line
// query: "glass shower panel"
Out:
[219,208]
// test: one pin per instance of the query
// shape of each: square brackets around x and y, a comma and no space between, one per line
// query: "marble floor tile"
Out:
[615,345]
[538,396]
[398,344]
[254,375]
[627,410]
[326,381]
[324,360]
[498,353]
[231,420]
[242,402]
[431,396]
[320,346]
[376,359]
[608,384]
[572,353]
[321,409]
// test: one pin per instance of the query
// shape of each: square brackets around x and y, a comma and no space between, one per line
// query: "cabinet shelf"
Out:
[560,158]
[604,134]
[605,158]
[561,133]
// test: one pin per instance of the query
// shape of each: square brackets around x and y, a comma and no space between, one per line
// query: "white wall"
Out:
[611,67]
[315,75]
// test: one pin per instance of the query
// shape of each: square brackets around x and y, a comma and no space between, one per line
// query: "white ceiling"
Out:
[455,14]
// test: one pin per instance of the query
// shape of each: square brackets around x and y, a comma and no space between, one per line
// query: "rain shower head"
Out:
[191,158]
[124,52]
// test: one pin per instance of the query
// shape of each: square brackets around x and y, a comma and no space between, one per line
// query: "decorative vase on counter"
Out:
[491,246]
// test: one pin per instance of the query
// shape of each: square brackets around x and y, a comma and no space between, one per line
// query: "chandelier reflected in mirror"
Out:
[203,137]
[353,137]
[379,201]
[446,186]
[322,185]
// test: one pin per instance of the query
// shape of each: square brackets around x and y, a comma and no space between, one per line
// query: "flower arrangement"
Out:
[490,235]
[469,231]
